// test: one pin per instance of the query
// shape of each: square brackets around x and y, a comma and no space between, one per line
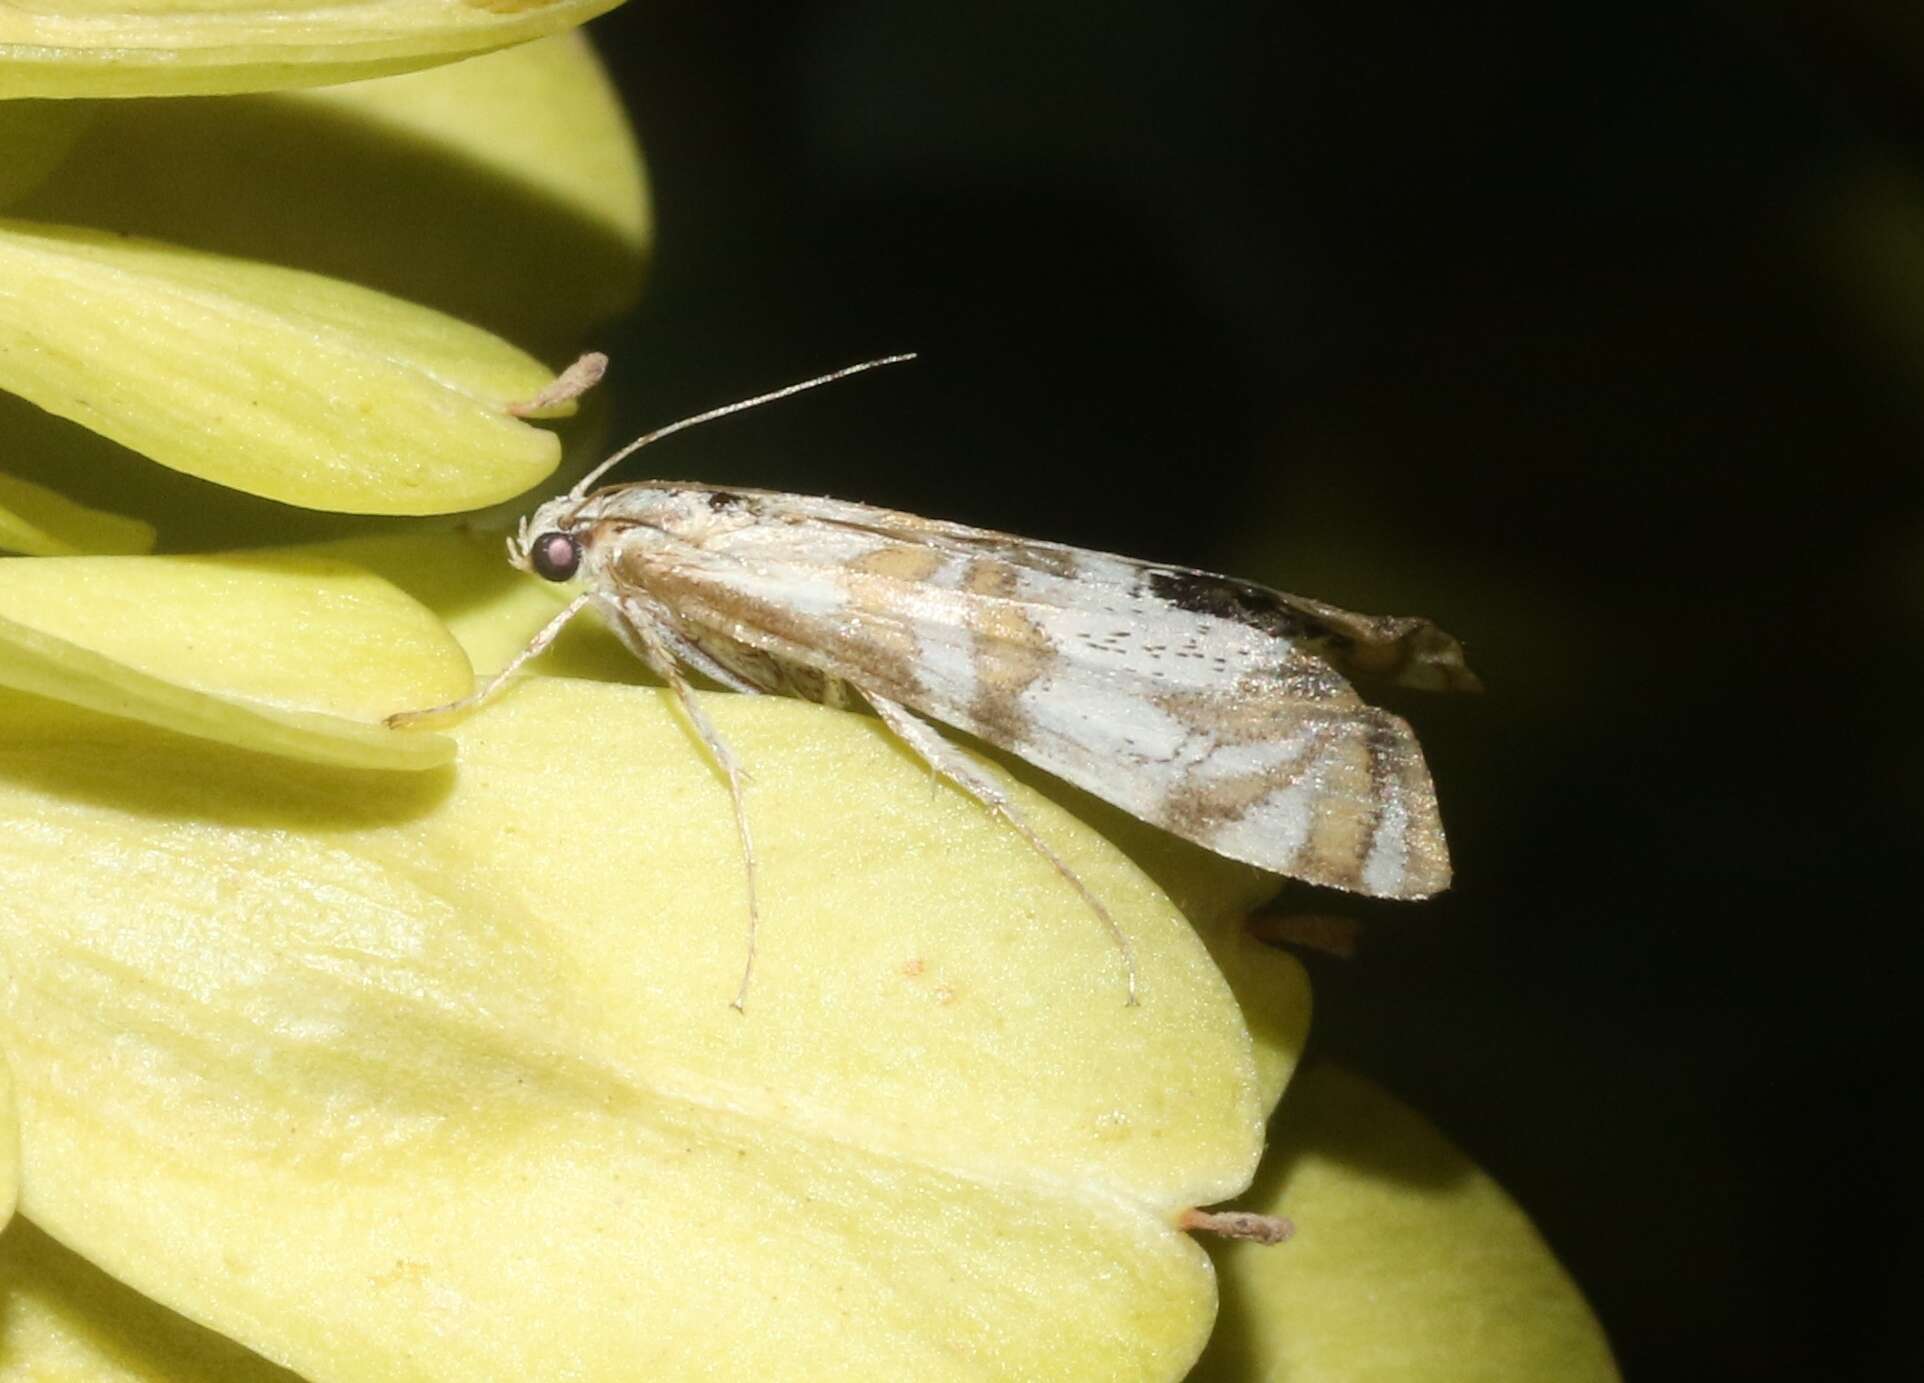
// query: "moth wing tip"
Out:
[1433,660]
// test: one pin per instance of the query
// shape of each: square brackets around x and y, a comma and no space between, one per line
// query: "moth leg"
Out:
[654,649]
[951,763]
[670,648]
[536,646]
[835,693]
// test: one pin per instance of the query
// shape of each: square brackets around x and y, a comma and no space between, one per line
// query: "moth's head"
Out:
[547,543]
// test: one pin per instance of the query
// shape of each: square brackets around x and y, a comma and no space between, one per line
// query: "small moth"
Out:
[1214,708]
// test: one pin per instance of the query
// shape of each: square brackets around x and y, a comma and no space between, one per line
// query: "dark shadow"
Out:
[140,1331]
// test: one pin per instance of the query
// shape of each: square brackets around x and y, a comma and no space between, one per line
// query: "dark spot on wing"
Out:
[721,500]
[1254,607]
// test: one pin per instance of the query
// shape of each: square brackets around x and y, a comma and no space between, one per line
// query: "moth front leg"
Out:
[536,647]
[951,763]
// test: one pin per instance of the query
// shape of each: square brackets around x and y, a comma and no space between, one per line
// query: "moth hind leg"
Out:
[945,759]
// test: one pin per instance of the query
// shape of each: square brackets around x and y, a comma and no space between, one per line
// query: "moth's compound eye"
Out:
[554,556]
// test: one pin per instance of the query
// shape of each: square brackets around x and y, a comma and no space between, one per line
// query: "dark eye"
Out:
[554,556]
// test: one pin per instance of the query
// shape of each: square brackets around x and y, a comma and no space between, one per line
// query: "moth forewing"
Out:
[1214,708]
[1221,727]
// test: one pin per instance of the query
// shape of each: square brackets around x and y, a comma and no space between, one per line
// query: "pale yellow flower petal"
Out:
[164,48]
[287,655]
[1217,895]
[1408,1261]
[45,523]
[436,1076]
[68,1322]
[507,190]
[284,384]
[1273,988]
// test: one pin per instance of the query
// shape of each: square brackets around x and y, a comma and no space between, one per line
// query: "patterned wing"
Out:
[1208,706]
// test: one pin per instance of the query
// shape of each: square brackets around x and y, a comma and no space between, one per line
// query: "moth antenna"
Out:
[582,485]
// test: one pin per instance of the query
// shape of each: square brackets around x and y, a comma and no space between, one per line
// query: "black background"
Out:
[1595,334]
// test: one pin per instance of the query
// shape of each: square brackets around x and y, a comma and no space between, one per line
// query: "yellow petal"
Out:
[65,1319]
[1273,988]
[1408,1261]
[45,523]
[285,655]
[300,388]
[506,190]
[161,48]
[436,1076]
[1217,895]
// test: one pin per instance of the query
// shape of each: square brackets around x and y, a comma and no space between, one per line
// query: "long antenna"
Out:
[581,486]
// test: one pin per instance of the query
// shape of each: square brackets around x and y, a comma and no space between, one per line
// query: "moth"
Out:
[1217,709]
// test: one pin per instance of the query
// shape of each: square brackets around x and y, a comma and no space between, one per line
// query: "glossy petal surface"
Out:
[284,384]
[284,655]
